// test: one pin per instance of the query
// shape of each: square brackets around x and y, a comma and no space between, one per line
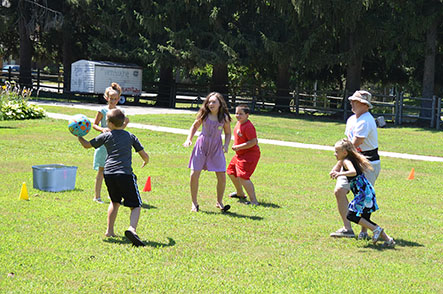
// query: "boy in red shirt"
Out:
[247,154]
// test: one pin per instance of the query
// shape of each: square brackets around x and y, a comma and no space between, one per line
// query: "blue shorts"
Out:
[122,186]
[100,155]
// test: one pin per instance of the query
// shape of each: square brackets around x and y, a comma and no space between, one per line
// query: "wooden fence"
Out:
[398,109]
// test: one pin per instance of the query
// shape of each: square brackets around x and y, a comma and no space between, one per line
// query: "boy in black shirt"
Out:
[119,178]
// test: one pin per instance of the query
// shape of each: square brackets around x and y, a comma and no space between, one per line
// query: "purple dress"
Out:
[208,152]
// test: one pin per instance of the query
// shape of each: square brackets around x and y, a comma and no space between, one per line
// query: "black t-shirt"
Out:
[119,145]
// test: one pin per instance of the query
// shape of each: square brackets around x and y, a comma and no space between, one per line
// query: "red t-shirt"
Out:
[242,134]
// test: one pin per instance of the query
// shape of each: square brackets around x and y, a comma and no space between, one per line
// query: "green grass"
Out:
[54,243]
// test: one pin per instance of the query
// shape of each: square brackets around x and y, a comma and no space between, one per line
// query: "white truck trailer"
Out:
[93,77]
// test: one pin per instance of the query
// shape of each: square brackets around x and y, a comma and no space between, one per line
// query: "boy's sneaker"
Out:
[343,233]
[377,233]
[390,243]
[363,236]
[134,238]
[98,200]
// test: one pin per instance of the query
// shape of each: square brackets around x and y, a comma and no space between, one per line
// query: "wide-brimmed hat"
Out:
[363,97]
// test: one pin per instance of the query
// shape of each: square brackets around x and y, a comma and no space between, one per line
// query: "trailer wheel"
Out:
[122,100]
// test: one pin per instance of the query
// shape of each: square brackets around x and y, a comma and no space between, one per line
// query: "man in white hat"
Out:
[361,130]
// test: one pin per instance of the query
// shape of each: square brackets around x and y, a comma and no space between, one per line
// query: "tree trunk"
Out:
[353,71]
[67,50]
[25,52]
[429,70]
[282,83]
[165,98]
[219,79]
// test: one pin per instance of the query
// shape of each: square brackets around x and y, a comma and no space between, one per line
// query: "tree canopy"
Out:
[275,44]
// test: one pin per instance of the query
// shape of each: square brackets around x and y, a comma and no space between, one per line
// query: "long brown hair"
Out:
[223,112]
[354,155]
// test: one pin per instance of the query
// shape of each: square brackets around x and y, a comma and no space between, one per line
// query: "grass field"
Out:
[54,243]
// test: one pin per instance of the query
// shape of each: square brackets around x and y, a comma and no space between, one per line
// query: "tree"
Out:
[433,12]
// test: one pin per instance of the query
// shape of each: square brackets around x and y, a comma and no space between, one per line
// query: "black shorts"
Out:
[123,186]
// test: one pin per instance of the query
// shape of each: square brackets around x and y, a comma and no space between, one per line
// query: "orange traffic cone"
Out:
[24,192]
[411,174]
[147,187]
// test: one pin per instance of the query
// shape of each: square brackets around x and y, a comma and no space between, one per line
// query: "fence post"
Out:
[58,81]
[433,114]
[400,109]
[396,108]
[438,113]
[297,102]
[9,74]
[38,79]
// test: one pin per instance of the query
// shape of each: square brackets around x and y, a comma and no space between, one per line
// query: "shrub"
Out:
[14,104]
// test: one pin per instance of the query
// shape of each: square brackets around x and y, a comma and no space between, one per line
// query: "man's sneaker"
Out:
[377,233]
[363,236]
[343,233]
[390,243]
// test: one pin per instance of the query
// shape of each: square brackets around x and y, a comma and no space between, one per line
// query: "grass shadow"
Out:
[264,204]
[398,243]
[170,243]
[147,206]
[124,240]
[268,204]
[233,214]
[10,128]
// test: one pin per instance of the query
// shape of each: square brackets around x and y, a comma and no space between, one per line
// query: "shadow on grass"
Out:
[398,243]
[233,214]
[11,128]
[124,240]
[264,204]
[147,206]
[268,204]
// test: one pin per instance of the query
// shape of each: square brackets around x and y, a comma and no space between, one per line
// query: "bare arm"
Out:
[85,143]
[349,172]
[227,131]
[96,125]
[246,145]
[144,156]
[357,141]
[337,167]
[192,131]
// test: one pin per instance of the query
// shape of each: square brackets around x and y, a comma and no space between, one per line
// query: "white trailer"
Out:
[93,77]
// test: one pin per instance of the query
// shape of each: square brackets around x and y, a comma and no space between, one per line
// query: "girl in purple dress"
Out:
[208,153]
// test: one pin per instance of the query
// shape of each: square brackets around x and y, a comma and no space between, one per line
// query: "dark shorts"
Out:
[123,186]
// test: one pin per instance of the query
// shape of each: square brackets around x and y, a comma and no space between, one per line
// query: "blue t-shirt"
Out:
[119,145]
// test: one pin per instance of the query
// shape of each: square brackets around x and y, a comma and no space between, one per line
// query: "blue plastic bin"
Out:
[54,177]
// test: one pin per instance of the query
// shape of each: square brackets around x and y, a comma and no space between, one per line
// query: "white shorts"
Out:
[371,175]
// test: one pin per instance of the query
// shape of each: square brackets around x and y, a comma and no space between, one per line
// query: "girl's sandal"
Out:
[224,209]
[234,195]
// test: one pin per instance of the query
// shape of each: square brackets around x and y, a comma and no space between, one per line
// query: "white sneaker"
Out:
[342,233]
[98,200]
[390,243]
